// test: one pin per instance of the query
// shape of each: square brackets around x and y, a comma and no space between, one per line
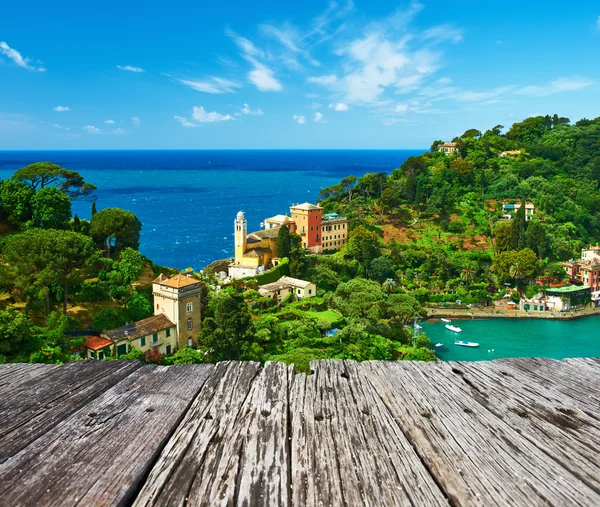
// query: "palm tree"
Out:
[389,285]
[468,274]
[516,273]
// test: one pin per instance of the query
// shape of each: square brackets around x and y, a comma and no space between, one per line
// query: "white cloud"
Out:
[16,57]
[130,68]
[598,24]
[92,130]
[339,106]
[211,84]
[557,86]
[248,112]
[327,80]
[109,122]
[319,118]
[185,122]
[56,125]
[202,116]
[118,131]
[298,118]
[261,76]
[61,109]
[136,121]
[443,33]
[289,38]
[315,106]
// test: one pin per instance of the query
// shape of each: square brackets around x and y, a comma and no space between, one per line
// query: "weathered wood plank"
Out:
[346,447]
[15,374]
[34,406]
[101,454]
[476,457]
[231,449]
[544,416]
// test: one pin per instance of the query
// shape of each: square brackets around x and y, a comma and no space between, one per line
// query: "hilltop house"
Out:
[175,324]
[257,251]
[287,285]
[510,209]
[586,271]
[447,148]
[510,153]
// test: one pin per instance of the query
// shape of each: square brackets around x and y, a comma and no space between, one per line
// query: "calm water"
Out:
[517,338]
[187,200]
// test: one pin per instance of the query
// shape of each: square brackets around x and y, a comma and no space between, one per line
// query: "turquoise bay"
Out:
[501,338]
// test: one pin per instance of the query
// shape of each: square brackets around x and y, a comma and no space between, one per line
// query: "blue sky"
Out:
[311,74]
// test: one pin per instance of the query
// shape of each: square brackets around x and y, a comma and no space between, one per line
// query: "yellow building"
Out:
[154,332]
[335,232]
[179,299]
[253,252]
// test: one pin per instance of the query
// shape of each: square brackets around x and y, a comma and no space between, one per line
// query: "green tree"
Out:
[51,208]
[15,332]
[15,202]
[381,269]
[131,265]
[231,332]
[45,174]
[186,355]
[284,242]
[359,298]
[114,227]
[389,285]
[362,245]
[139,307]
[516,273]
[107,318]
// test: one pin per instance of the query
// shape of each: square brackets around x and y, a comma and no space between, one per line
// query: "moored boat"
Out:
[446,320]
[466,344]
[439,344]
[418,327]
[453,328]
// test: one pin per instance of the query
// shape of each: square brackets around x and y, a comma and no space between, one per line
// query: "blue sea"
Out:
[187,200]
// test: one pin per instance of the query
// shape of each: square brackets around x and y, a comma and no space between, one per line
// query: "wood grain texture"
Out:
[101,454]
[475,454]
[36,403]
[232,447]
[347,448]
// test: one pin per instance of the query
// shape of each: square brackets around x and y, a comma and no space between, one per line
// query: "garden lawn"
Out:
[330,316]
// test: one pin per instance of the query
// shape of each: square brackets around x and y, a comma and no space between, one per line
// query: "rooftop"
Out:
[505,432]
[305,206]
[140,328]
[264,234]
[295,282]
[283,283]
[97,342]
[568,289]
[280,219]
[179,281]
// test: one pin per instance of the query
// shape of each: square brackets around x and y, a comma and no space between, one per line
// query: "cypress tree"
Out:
[284,242]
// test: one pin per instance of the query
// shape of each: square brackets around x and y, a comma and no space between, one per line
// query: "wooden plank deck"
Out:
[506,432]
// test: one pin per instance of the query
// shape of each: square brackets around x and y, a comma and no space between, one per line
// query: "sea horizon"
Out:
[187,199]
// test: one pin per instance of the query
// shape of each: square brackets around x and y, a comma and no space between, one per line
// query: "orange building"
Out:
[308,218]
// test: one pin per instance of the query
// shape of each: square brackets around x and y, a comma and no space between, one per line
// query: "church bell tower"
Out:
[240,226]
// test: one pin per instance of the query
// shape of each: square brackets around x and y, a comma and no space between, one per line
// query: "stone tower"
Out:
[180,299]
[240,226]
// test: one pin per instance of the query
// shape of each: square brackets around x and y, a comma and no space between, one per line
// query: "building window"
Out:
[168,350]
[157,306]
[143,341]
[168,333]
[298,291]
[312,228]
[154,337]
[189,307]
[190,325]
[309,291]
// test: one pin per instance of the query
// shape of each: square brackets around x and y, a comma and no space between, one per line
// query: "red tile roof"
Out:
[97,342]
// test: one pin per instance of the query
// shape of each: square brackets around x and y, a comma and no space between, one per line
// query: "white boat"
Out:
[453,328]
[418,327]
[439,344]
[446,320]
[466,344]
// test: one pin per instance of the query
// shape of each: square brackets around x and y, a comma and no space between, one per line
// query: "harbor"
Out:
[509,338]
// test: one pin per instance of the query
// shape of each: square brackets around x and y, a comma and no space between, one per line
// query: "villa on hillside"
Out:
[175,324]
[447,148]
[586,271]
[510,153]
[287,285]
[256,252]
[510,210]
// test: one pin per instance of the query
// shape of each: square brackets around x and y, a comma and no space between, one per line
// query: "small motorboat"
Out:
[466,344]
[439,344]
[418,327]
[446,320]
[453,328]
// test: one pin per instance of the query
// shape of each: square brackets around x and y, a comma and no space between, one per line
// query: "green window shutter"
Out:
[143,341]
